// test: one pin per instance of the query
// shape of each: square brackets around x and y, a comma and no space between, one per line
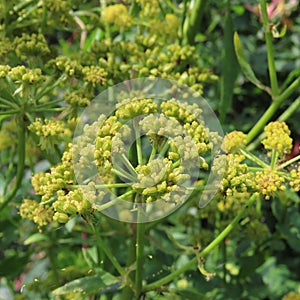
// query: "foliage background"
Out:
[71,43]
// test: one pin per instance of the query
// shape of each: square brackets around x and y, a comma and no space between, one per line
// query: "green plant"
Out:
[137,150]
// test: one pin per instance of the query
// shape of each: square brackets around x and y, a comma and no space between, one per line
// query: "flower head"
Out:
[117,14]
[278,138]
[234,141]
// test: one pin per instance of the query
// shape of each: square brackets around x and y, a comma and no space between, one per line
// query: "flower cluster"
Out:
[269,182]
[59,177]
[34,45]
[94,75]
[278,138]
[50,131]
[39,214]
[234,141]
[21,74]
[118,15]
[158,179]
[70,203]
[295,182]
[131,108]
[237,177]
[164,164]
[168,27]
[266,179]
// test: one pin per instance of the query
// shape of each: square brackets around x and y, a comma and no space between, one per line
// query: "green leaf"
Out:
[95,35]
[90,284]
[35,238]
[245,66]
[249,264]
[91,256]
[230,68]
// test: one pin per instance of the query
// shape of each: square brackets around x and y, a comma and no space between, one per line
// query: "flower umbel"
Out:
[146,151]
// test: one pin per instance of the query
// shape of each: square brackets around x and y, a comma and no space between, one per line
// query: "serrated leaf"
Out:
[245,66]
[35,238]
[90,285]
[230,68]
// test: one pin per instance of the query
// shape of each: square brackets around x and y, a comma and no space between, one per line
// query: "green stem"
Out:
[253,158]
[153,152]
[110,256]
[274,158]
[114,201]
[9,103]
[270,49]
[193,20]
[128,293]
[287,163]
[107,250]
[271,110]
[54,109]
[9,112]
[224,257]
[138,144]
[290,110]
[140,244]
[283,117]
[165,148]
[157,284]
[123,173]
[129,165]
[102,186]
[49,87]
[20,166]
[288,91]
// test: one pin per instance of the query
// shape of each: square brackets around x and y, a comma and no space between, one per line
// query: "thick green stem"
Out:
[274,158]
[192,22]
[140,244]
[270,50]
[20,166]
[283,117]
[128,291]
[157,284]
[256,129]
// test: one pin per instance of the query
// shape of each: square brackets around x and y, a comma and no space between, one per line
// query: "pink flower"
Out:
[275,9]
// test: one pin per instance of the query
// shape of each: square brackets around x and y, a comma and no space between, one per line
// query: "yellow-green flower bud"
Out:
[61,217]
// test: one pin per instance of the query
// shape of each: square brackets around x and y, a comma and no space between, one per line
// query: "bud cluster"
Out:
[278,138]
[118,15]
[169,132]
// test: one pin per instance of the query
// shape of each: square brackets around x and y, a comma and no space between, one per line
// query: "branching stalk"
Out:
[193,262]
